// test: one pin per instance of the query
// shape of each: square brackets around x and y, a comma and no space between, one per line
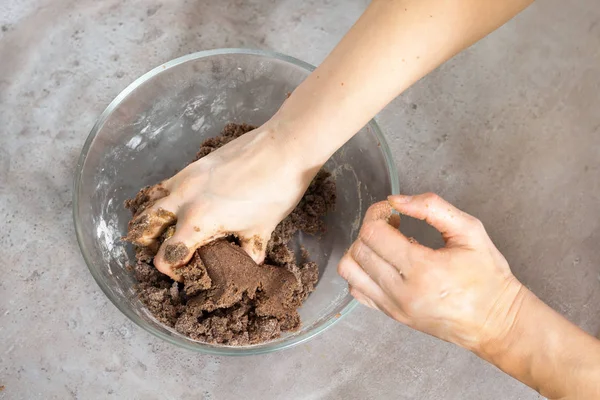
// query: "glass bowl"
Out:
[153,129]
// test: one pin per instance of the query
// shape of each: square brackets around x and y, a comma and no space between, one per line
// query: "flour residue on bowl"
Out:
[109,239]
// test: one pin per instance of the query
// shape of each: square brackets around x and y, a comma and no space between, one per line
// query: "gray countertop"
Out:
[509,131]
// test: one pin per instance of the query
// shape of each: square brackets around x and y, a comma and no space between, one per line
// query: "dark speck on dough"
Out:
[176,252]
[225,297]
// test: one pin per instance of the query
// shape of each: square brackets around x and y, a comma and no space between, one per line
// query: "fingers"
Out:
[177,250]
[144,228]
[365,290]
[385,273]
[361,298]
[382,211]
[384,239]
[387,276]
[455,225]
[358,279]
[255,246]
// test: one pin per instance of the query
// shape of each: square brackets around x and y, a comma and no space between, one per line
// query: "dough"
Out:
[225,297]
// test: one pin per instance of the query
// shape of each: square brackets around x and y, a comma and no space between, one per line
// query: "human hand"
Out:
[244,188]
[463,293]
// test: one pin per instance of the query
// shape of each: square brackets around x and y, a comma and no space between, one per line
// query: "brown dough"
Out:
[226,298]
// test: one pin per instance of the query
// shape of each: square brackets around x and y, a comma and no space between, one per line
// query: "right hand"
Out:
[463,293]
[244,188]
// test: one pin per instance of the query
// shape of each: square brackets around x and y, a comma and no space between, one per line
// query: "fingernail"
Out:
[399,198]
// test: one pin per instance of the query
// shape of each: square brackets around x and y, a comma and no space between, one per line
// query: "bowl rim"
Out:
[201,347]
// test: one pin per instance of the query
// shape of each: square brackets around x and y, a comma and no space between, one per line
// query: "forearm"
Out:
[547,352]
[392,45]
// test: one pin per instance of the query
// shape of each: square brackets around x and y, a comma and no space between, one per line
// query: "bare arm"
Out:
[392,45]
[547,352]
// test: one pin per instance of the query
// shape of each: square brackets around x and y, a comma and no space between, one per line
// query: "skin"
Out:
[464,293]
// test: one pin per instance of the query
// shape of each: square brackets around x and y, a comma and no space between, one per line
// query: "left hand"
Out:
[463,293]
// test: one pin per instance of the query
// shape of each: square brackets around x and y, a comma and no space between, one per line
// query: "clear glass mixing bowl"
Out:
[154,128]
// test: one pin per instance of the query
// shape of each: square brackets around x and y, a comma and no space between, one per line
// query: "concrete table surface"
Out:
[509,131]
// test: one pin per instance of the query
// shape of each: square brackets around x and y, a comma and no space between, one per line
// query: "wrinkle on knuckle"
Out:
[371,304]
[357,250]
[354,292]
[342,268]
[367,231]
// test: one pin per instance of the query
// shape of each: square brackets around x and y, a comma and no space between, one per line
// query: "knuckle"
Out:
[432,197]
[343,268]
[475,225]
[478,224]
[196,213]
[367,231]
[408,309]
[357,250]
[367,301]
[354,292]
[187,187]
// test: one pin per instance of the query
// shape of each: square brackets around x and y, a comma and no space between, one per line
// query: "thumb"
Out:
[255,245]
[456,226]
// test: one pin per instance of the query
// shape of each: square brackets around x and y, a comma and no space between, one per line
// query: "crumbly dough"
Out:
[225,297]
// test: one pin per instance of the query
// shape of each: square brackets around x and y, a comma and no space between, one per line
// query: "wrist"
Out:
[545,351]
[283,145]
[300,143]
[505,322]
